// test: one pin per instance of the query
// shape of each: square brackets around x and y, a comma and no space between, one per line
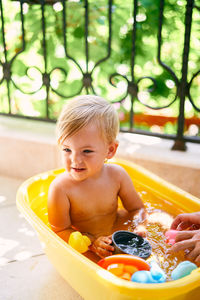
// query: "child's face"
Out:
[85,151]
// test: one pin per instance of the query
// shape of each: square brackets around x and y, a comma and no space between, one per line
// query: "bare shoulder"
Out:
[59,185]
[58,204]
[116,171]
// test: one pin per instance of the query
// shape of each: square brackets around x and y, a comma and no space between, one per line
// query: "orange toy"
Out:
[123,265]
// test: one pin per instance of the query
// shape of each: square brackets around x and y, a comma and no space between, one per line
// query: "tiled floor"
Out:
[25,272]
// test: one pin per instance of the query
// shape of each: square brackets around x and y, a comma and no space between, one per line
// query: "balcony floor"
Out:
[25,272]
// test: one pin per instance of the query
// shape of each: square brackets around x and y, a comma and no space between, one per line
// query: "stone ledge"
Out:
[29,147]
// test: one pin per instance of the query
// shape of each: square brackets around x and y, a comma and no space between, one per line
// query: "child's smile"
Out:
[78,170]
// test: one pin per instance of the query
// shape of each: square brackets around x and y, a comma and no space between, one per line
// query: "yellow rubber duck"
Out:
[79,242]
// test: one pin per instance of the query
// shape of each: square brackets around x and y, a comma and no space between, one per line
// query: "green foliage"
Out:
[65,74]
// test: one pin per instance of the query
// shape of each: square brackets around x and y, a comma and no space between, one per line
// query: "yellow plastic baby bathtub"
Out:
[90,280]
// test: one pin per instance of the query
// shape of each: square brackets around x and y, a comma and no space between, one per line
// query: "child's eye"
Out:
[87,151]
[66,150]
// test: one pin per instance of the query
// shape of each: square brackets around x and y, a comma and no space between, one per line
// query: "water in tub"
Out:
[160,215]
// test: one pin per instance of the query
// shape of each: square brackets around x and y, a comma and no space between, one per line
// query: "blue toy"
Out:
[183,269]
[142,277]
[155,275]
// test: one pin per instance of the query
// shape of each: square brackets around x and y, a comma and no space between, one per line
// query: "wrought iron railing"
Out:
[18,77]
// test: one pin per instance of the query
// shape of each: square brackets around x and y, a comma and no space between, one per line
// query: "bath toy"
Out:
[131,243]
[123,265]
[143,277]
[171,235]
[155,275]
[156,272]
[126,259]
[79,242]
[183,269]
[122,271]
[116,269]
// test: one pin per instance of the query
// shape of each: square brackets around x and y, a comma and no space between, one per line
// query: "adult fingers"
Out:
[197,260]
[182,245]
[194,253]
[184,235]
[183,226]
[177,224]
[180,219]
[188,218]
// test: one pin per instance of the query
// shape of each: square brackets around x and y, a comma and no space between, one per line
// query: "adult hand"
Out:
[188,240]
[185,221]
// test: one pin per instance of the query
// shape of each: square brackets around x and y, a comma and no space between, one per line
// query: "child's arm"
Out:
[58,211]
[127,193]
[132,202]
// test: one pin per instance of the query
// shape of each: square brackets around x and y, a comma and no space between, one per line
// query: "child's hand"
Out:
[141,230]
[188,240]
[102,246]
[140,221]
[140,216]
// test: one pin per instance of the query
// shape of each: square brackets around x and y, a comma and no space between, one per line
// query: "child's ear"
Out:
[112,148]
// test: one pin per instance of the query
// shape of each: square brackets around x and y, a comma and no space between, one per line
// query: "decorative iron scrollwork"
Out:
[133,84]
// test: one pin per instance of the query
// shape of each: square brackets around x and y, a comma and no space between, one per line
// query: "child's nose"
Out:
[76,158]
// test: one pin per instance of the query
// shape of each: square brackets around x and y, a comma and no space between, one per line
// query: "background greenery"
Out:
[28,93]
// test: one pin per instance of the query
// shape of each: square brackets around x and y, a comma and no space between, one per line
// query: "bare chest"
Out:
[92,201]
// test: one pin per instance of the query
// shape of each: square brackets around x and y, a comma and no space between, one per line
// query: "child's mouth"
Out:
[78,169]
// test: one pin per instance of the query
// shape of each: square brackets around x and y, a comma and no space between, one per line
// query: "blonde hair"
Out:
[80,111]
